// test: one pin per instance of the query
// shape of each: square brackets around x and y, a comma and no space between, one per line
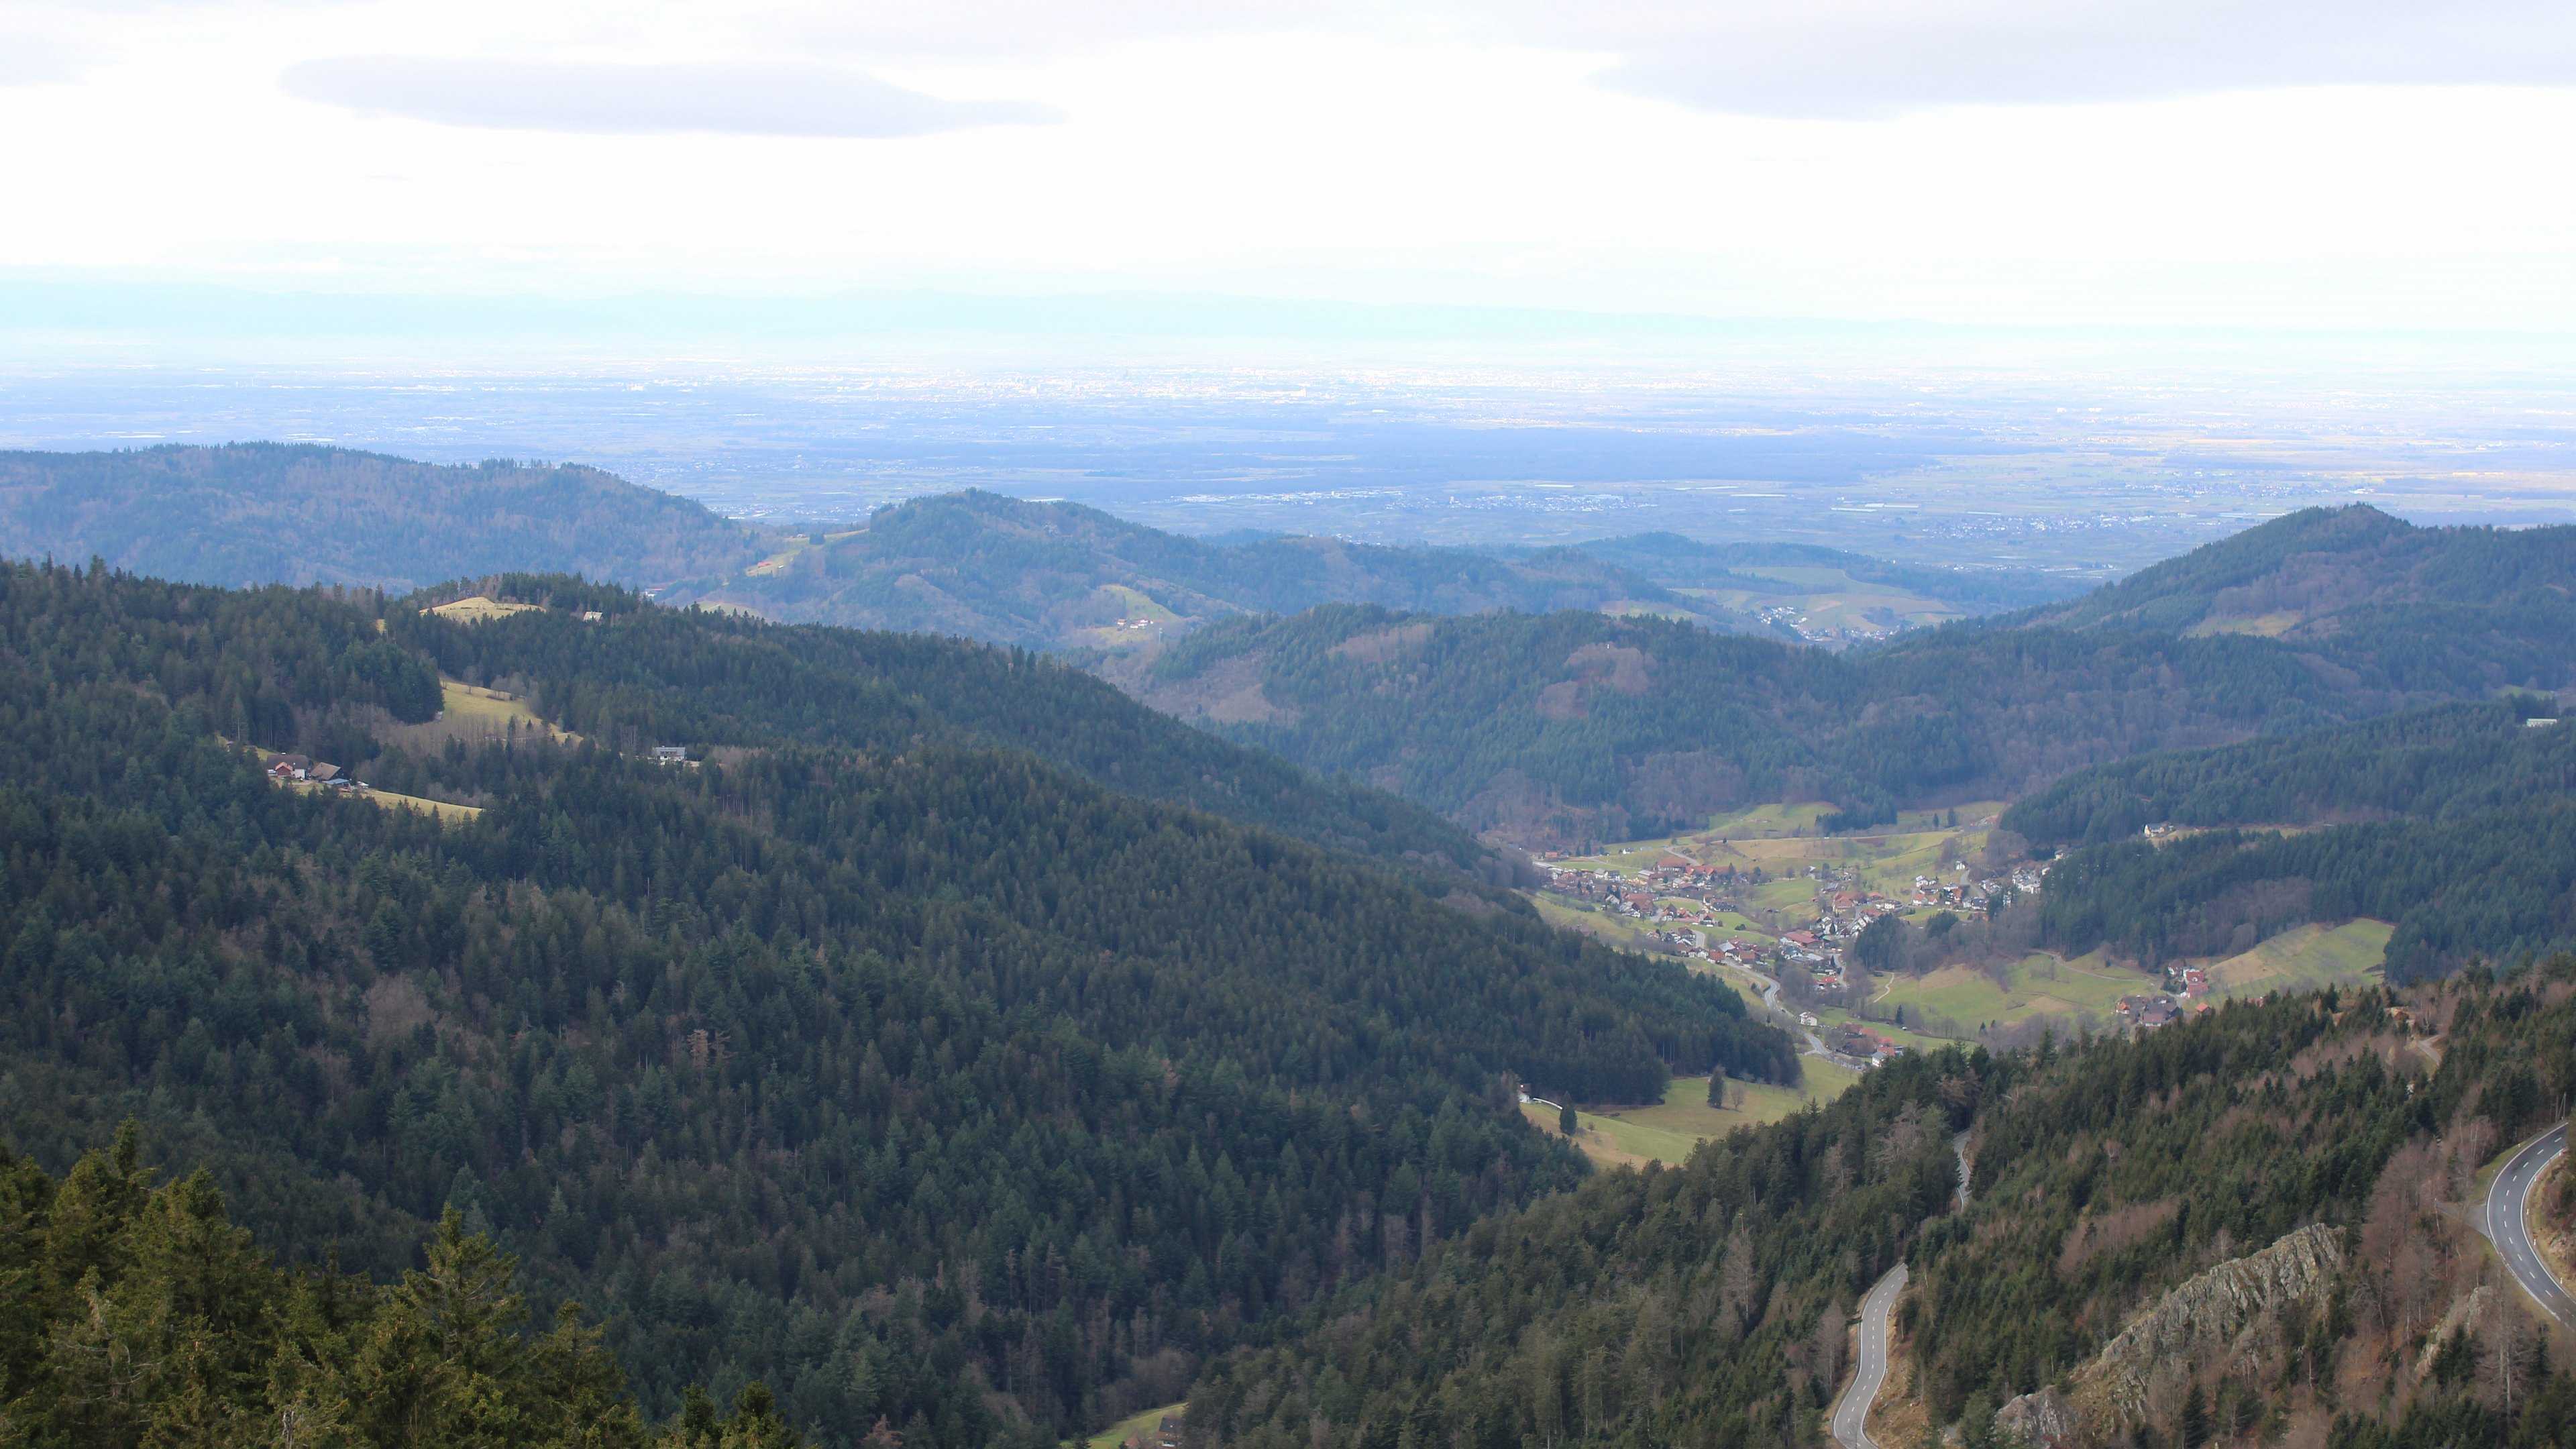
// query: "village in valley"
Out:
[1767,900]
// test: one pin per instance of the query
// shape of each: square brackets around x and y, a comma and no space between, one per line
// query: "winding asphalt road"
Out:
[1771,1003]
[2504,1221]
[1851,1412]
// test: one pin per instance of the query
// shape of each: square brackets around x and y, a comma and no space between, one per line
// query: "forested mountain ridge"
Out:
[1045,575]
[258,513]
[1061,576]
[2301,574]
[919,1078]
[1564,729]
[1712,1304]
[1057,575]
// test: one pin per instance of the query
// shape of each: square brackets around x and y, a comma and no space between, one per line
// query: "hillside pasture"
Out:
[2086,989]
[1666,1131]
[2306,958]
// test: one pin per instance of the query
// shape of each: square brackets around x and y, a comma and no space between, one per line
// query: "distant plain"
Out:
[2093,473]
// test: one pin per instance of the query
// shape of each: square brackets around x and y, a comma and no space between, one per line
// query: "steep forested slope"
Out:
[2436,763]
[1711,1304]
[2498,884]
[658,676]
[255,513]
[1562,728]
[920,1078]
[2458,824]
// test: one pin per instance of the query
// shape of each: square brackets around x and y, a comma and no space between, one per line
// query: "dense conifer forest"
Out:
[140,1315]
[2499,885]
[2440,763]
[2466,841]
[918,1078]
[1709,1304]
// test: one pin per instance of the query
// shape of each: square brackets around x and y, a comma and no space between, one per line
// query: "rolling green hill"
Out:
[257,513]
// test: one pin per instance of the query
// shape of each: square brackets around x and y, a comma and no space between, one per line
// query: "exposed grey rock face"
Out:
[2222,1309]
[2044,1420]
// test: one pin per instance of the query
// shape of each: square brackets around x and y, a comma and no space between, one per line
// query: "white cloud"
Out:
[1822,58]
[738,98]
[31,60]
[1389,156]
[1882,57]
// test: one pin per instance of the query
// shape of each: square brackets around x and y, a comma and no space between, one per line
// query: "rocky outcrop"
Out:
[2221,1310]
[2470,1307]
[2044,1420]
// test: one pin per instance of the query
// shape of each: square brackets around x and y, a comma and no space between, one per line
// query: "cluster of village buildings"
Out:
[1794,619]
[1682,898]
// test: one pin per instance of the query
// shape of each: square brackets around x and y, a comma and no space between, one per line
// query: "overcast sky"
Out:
[2282,163]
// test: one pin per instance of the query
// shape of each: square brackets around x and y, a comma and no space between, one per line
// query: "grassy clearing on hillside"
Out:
[1581,916]
[473,714]
[2086,988]
[2268,626]
[1723,925]
[1769,822]
[794,548]
[2306,958]
[1139,618]
[1905,1037]
[1667,1131]
[1135,1426]
[1785,840]
[476,609]
[388,800]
